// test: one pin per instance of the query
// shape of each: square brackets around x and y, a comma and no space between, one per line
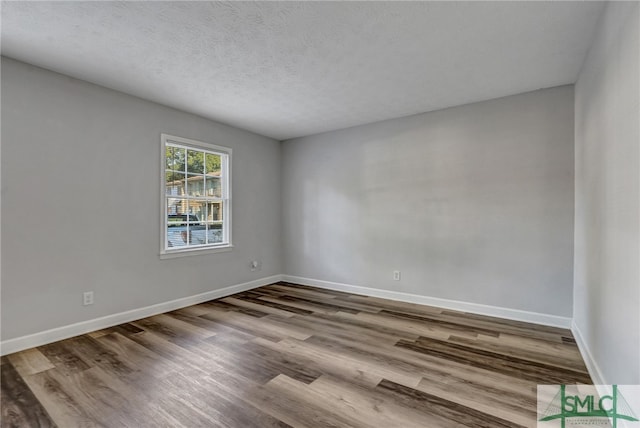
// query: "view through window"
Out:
[196,195]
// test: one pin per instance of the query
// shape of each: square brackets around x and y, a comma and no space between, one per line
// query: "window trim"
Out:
[226,245]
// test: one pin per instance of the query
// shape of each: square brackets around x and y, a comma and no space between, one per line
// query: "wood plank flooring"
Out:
[289,355]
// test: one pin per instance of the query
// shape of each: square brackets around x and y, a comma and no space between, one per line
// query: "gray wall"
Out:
[607,235]
[472,203]
[81,201]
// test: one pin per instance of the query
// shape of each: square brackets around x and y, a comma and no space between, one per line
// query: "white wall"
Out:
[607,235]
[80,202]
[472,203]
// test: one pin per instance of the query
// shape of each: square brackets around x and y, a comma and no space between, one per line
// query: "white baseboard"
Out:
[476,308]
[48,336]
[587,356]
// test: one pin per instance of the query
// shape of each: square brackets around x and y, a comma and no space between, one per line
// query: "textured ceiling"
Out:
[288,69]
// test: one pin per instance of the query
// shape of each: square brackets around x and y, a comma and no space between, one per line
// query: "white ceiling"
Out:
[288,69]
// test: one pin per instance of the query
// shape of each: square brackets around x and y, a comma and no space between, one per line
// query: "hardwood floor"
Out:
[288,355]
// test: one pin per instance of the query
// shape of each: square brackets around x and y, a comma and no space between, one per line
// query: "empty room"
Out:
[320,214]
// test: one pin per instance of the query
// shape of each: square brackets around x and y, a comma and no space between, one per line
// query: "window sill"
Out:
[194,252]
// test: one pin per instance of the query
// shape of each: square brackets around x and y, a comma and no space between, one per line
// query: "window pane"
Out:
[212,186]
[168,157]
[214,211]
[177,210]
[174,185]
[196,212]
[212,164]
[195,162]
[214,233]
[197,234]
[175,157]
[176,221]
[195,185]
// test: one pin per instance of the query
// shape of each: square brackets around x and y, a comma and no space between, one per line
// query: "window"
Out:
[196,201]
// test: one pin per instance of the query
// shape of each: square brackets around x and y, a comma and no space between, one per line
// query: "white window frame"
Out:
[167,252]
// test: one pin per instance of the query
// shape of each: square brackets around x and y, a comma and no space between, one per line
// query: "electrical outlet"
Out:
[396,275]
[87,298]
